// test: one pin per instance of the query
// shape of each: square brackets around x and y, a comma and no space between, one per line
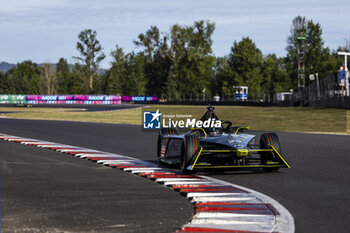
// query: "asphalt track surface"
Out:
[315,190]
[46,191]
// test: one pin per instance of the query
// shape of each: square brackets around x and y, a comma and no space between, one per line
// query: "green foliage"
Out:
[67,80]
[126,75]
[156,62]
[318,59]
[275,76]
[243,67]
[91,56]
[113,78]
[190,57]
[48,80]
[3,85]
[246,66]
[176,63]
[179,62]
[23,79]
[221,76]
[246,60]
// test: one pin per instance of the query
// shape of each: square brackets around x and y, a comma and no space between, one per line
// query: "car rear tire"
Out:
[270,156]
[190,146]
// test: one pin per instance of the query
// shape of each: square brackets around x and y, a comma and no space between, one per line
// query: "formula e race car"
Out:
[218,147]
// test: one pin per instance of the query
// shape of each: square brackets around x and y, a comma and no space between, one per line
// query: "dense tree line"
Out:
[176,64]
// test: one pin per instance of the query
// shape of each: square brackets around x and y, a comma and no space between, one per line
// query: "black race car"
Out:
[223,147]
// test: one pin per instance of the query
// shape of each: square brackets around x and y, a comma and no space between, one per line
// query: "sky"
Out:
[46,30]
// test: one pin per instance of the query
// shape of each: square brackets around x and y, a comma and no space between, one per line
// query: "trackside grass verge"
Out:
[296,119]
[132,116]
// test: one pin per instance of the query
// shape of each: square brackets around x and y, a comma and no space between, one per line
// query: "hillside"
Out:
[5,66]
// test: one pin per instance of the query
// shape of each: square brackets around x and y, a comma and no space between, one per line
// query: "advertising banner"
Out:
[73,99]
[13,99]
[60,99]
[139,98]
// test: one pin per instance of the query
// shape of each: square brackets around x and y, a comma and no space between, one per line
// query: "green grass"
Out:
[24,109]
[132,116]
[296,119]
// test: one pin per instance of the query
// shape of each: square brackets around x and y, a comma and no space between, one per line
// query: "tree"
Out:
[115,77]
[191,62]
[200,58]
[275,77]
[79,84]
[135,69]
[24,78]
[315,51]
[156,61]
[221,77]
[8,83]
[126,75]
[346,47]
[49,80]
[337,60]
[67,80]
[318,59]
[179,62]
[90,55]
[3,87]
[298,27]
[245,61]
